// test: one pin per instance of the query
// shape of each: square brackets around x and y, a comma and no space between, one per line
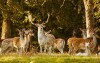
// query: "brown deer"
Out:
[87,50]
[84,34]
[20,43]
[12,42]
[59,43]
[28,34]
[79,43]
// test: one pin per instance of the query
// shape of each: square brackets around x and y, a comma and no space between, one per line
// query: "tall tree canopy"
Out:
[65,15]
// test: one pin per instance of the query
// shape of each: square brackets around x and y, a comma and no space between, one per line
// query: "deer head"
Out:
[42,25]
[21,31]
[29,32]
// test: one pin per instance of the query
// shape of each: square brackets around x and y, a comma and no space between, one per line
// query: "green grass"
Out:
[45,58]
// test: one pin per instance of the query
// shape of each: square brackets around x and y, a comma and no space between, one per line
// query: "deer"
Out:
[1,43]
[87,50]
[24,39]
[79,43]
[28,34]
[20,43]
[44,41]
[12,42]
[84,34]
[59,43]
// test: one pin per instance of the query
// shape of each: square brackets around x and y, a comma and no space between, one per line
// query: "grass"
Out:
[45,58]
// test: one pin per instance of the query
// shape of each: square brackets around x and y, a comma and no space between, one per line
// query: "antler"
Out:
[44,2]
[62,4]
[47,18]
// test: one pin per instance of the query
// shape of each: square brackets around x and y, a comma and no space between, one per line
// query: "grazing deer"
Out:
[45,41]
[79,43]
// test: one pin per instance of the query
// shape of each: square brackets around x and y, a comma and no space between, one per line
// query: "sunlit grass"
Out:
[45,58]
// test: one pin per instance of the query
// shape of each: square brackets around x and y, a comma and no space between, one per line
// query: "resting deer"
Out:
[79,43]
[45,41]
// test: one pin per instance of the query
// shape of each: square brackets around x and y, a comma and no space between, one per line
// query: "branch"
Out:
[62,4]
[44,2]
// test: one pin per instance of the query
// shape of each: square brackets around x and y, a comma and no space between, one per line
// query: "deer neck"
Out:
[94,38]
[27,38]
[84,36]
[21,38]
[41,33]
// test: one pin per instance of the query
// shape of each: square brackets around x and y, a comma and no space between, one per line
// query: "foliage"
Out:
[66,15]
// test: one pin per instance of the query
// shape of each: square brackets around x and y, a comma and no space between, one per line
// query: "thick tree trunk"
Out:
[6,30]
[89,16]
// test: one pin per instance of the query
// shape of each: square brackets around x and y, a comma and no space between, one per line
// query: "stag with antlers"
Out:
[45,41]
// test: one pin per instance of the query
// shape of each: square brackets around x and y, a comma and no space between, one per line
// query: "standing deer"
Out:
[12,42]
[45,41]
[84,34]
[20,43]
[23,43]
[87,50]
[79,43]
[28,34]
[59,43]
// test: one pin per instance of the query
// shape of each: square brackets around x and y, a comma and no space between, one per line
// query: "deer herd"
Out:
[48,43]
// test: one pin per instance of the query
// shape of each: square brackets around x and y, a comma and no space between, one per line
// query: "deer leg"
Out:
[16,48]
[40,49]
[61,51]
[70,50]
[50,49]
[45,48]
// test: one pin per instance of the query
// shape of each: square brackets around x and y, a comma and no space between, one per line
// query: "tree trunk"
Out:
[89,16]
[6,31]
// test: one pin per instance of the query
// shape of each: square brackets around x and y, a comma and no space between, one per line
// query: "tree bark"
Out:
[6,31]
[89,16]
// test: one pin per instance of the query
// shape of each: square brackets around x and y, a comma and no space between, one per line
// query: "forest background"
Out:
[65,16]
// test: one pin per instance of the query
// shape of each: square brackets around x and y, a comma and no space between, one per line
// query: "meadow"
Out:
[45,58]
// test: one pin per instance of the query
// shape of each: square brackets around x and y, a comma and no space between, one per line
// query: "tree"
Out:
[89,16]
[6,30]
